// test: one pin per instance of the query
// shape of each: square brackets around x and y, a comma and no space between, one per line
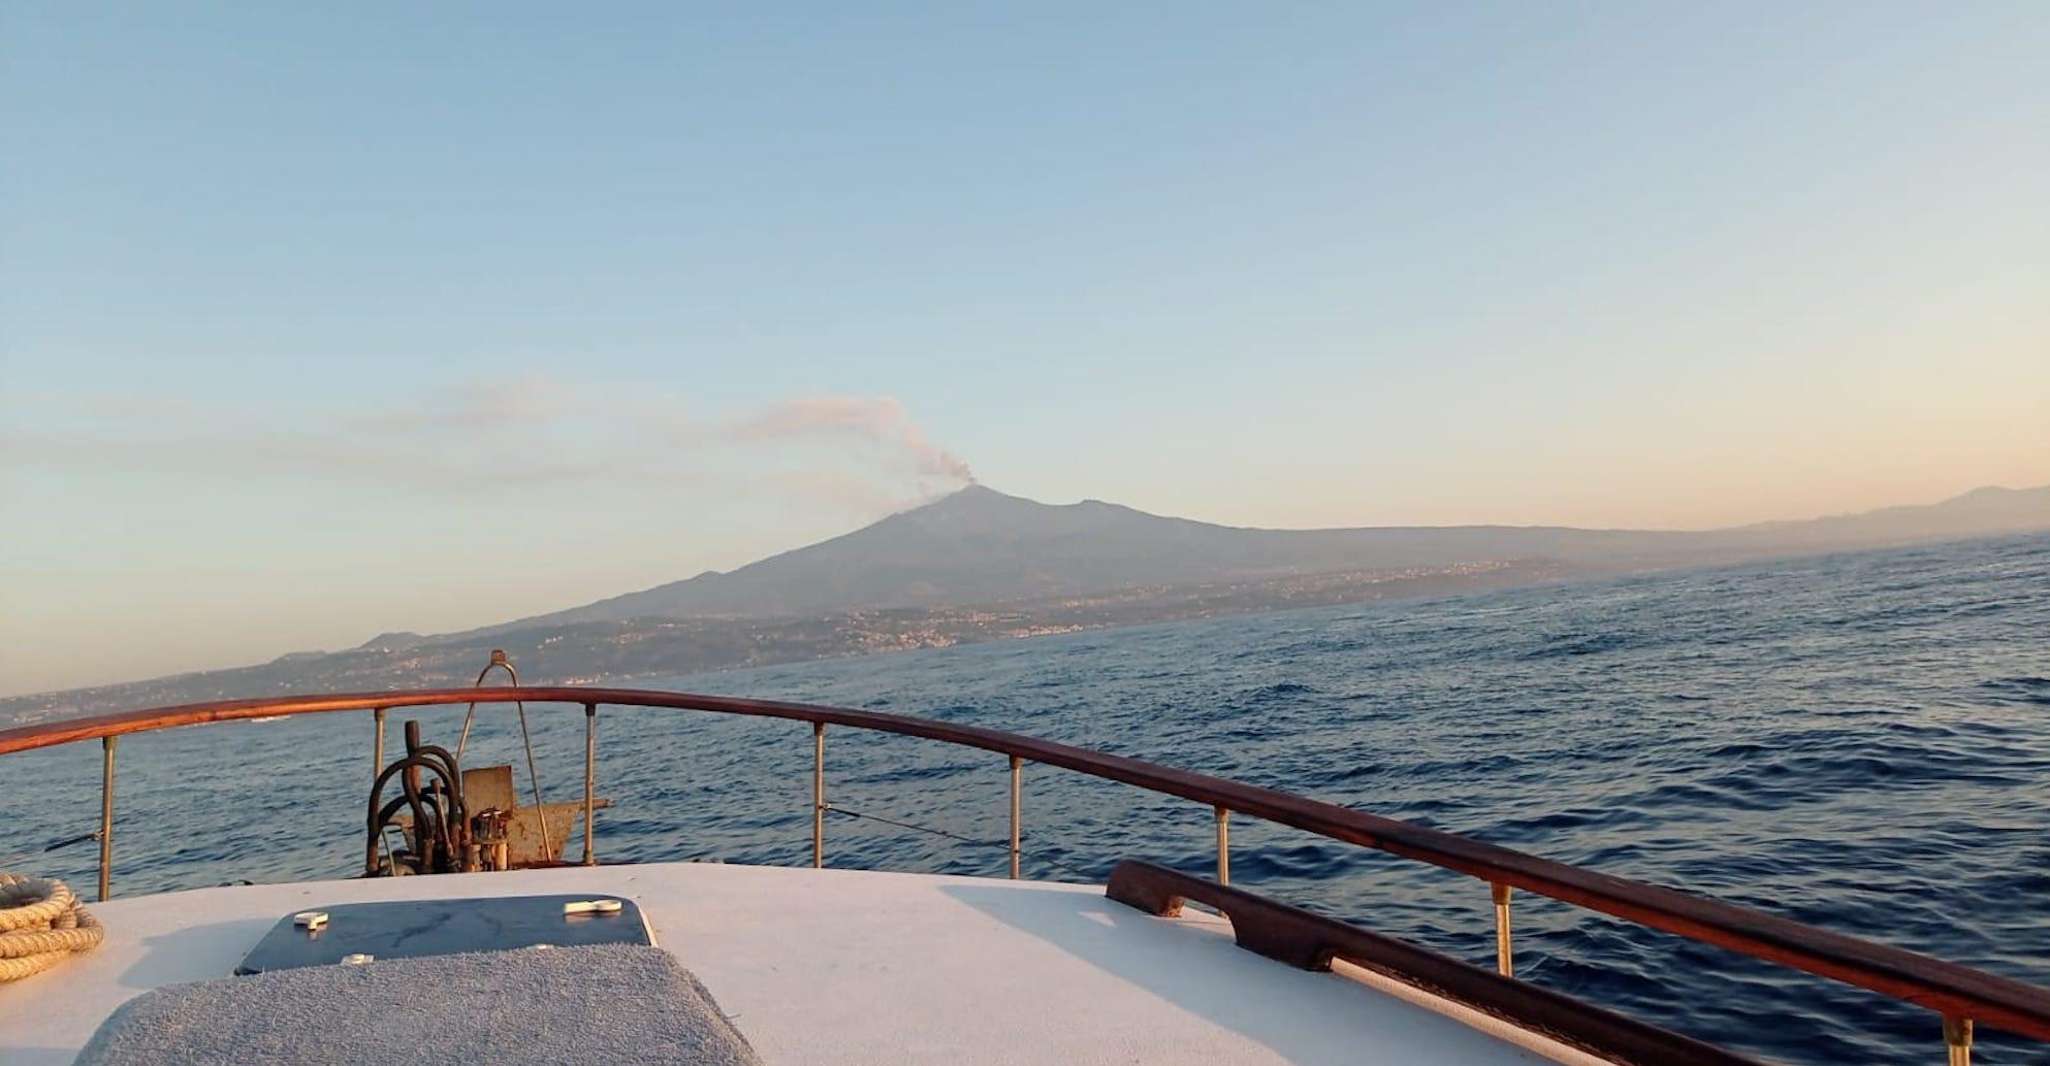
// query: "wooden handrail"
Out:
[1954,991]
[1296,937]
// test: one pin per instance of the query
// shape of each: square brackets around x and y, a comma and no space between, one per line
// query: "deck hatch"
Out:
[414,929]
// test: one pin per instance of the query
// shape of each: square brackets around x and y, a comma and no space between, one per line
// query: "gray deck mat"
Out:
[607,1003]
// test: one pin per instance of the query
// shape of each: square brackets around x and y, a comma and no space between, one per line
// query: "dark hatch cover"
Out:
[419,928]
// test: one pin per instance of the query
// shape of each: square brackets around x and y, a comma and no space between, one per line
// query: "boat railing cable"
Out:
[929,830]
[1004,845]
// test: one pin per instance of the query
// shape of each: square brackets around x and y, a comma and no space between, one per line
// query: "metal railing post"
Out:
[1017,787]
[1957,1036]
[377,743]
[590,782]
[1223,845]
[1505,963]
[106,816]
[818,795]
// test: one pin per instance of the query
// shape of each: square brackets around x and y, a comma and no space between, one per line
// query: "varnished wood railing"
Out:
[1295,937]
[1959,994]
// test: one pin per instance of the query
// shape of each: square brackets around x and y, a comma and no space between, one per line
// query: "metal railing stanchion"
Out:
[590,783]
[107,816]
[1223,844]
[1017,788]
[818,795]
[1957,1036]
[1505,962]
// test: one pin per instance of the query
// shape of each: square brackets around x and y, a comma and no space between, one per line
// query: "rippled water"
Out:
[1859,742]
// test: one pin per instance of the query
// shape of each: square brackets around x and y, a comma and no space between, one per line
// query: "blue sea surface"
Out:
[1860,742]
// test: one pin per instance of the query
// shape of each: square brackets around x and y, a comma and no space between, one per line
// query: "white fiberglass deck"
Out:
[841,967]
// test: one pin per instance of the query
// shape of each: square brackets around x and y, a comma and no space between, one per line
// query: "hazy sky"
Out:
[318,323]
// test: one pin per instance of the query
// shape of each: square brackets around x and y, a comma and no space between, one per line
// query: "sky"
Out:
[321,323]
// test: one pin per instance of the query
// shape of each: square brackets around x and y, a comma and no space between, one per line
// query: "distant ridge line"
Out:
[978,545]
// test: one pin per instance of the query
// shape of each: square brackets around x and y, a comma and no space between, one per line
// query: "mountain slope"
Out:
[982,546]
[1984,512]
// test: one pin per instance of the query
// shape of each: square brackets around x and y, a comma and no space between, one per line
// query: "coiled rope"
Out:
[41,923]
